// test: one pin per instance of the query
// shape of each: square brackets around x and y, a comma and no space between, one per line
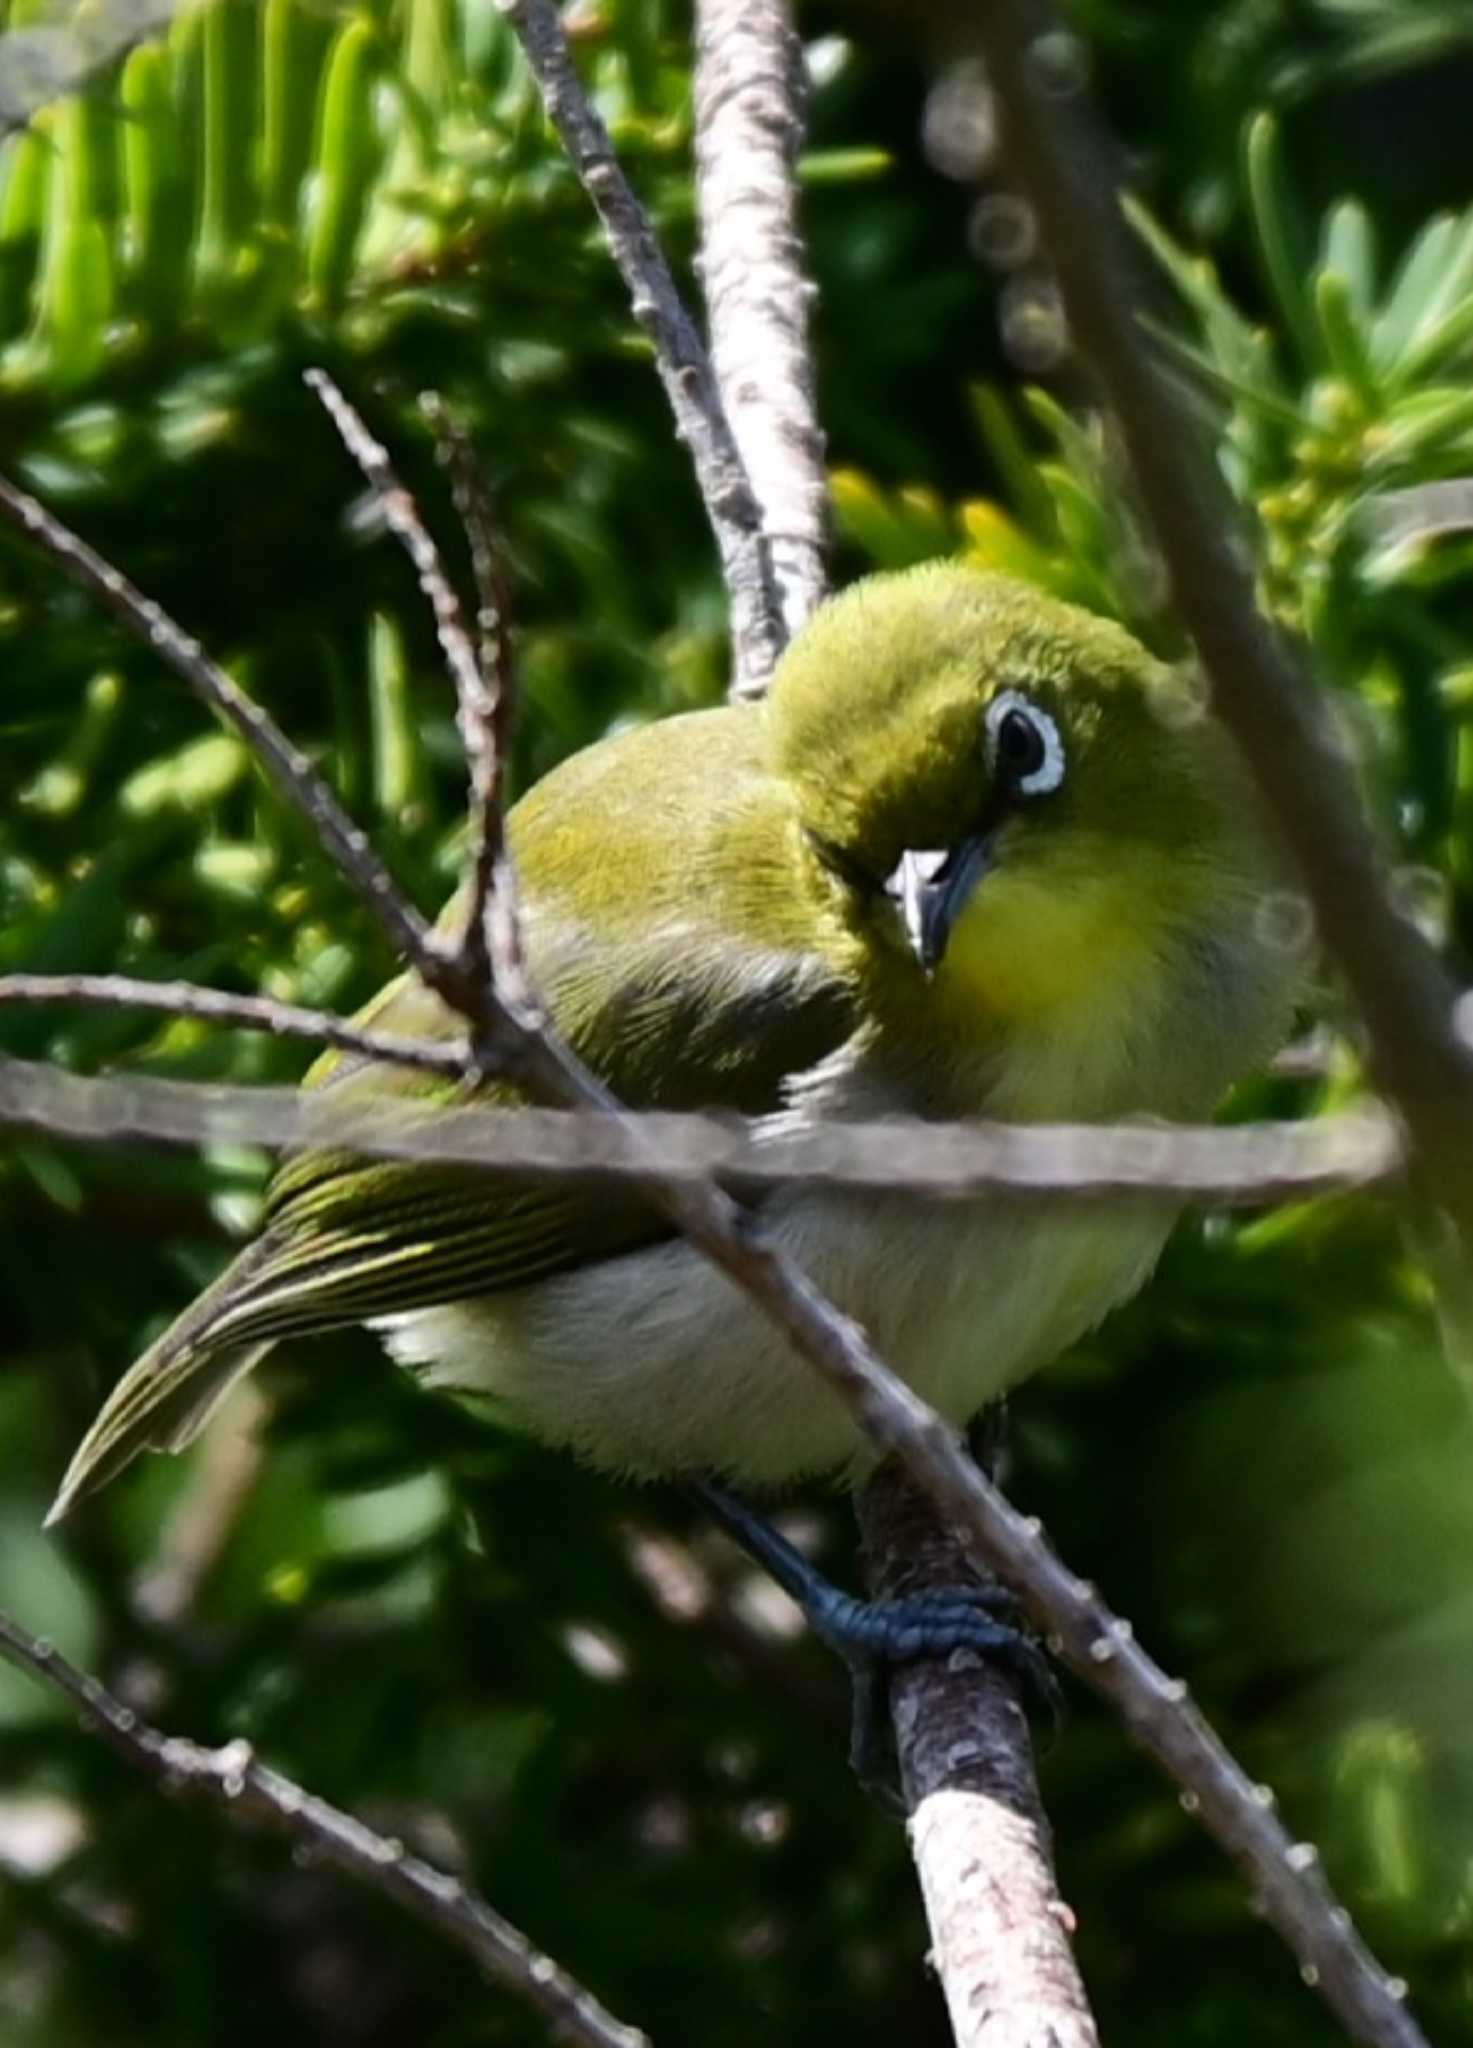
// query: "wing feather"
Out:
[691,988]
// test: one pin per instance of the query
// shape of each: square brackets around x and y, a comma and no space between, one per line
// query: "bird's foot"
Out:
[873,1636]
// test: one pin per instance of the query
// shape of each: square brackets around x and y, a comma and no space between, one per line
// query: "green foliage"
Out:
[566,1687]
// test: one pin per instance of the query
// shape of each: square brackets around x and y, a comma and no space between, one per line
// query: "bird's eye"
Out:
[1023,745]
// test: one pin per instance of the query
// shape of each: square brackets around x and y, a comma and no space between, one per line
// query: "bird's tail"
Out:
[166,1397]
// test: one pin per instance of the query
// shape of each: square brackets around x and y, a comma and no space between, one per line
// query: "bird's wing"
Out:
[660,966]
[658,931]
[349,1239]
[686,987]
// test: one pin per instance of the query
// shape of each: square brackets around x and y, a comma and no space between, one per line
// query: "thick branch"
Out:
[1261,693]
[999,1930]
[252,1795]
[1249,1165]
[680,356]
[749,90]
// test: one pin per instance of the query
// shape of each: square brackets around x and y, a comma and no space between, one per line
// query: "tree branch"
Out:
[251,1794]
[1246,1165]
[288,767]
[439,963]
[496,710]
[1262,694]
[749,89]
[481,698]
[680,357]
[999,1930]
[249,1013]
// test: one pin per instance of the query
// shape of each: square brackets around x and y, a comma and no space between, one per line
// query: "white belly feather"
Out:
[655,1363]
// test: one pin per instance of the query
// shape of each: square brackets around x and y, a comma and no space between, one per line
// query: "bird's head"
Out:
[1026,815]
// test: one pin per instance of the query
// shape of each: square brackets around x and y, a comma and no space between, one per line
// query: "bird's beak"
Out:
[928,889]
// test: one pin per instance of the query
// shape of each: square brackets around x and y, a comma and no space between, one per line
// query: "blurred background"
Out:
[573,1692]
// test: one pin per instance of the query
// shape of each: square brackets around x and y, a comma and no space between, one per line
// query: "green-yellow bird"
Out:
[977,854]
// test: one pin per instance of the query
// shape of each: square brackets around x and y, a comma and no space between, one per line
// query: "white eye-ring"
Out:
[1023,744]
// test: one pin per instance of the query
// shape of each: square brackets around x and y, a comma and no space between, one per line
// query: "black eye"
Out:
[1025,749]
[1020,746]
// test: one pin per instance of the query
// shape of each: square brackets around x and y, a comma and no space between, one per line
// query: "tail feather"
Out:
[168,1395]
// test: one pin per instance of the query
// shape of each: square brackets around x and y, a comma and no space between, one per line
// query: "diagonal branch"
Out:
[749,88]
[684,368]
[288,767]
[439,964]
[1261,692]
[253,1795]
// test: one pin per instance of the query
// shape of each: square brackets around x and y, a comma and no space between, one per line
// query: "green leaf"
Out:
[1276,225]
[1344,342]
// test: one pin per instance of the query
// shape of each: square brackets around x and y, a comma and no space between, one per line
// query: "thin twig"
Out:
[249,1013]
[749,88]
[478,696]
[999,1930]
[680,356]
[1247,1165]
[288,767]
[253,1795]
[491,914]
[437,962]
[1065,166]
[472,497]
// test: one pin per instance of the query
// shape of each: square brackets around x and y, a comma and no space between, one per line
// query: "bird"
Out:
[977,853]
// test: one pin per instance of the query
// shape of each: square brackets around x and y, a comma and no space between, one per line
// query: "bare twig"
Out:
[1038,70]
[749,88]
[487,724]
[253,1795]
[250,1013]
[479,693]
[1248,1165]
[680,357]
[999,1930]
[472,496]
[288,767]
[437,962]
